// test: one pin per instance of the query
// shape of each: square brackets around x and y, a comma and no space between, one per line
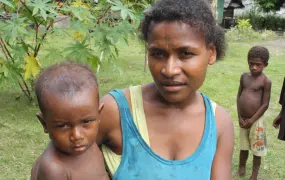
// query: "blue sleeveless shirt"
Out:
[141,163]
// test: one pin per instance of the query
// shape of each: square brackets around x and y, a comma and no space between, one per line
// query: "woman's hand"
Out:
[276,121]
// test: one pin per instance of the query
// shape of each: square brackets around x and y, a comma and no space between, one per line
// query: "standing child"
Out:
[252,102]
[280,119]
[68,98]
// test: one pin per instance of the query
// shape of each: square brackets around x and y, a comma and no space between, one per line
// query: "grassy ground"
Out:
[22,138]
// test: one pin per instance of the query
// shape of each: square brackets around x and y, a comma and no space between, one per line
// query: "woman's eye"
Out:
[62,126]
[87,121]
[157,54]
[187,53]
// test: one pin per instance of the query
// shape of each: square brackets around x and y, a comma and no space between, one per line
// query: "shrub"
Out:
[98,26]
[244,32]
[260,22]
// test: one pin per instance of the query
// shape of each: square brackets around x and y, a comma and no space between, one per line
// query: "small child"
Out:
[280,119]
[252,102]
[68,98]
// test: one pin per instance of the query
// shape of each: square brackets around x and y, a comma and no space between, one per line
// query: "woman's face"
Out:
[178,59]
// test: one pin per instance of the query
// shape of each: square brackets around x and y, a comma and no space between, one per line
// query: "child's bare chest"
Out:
[253,84]
[88,168]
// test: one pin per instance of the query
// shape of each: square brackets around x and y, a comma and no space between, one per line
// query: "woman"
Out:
[167,129]
[280,119]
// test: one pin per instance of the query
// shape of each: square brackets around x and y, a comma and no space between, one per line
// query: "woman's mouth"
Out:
[173,86]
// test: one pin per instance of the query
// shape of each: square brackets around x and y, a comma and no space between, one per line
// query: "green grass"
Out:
[23,140]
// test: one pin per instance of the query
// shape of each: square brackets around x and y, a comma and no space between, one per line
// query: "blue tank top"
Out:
[141,163]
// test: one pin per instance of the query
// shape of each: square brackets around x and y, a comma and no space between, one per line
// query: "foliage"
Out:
[244,32]
[96,28]
[269,22]
[269,5]
[243,24]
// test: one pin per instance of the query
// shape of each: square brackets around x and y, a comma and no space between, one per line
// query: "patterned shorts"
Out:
[254,138]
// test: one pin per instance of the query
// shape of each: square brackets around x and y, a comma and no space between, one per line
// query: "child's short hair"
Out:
[196,13]
[259,52]
[64,79]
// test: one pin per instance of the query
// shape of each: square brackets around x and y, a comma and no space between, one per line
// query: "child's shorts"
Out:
[254,138]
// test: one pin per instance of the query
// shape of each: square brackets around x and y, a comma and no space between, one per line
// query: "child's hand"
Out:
[242,122]
[276,122]
[248,124]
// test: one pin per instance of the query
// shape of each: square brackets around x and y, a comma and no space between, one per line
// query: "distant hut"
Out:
[225,9]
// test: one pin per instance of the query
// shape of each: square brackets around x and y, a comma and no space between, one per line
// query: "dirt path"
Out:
[276,47]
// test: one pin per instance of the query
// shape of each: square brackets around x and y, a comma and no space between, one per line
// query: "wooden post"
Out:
[220,9]
[214,4]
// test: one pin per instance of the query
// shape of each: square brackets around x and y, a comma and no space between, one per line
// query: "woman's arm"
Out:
[110,127]
[222,164]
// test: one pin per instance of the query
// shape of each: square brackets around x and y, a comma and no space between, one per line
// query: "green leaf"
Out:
[93,62]
[82,14]
[14,28]
[54,53]
[125,11]
[42,7]
[19,51]
[79,51]
[117,51]
[7,3]
[44,15]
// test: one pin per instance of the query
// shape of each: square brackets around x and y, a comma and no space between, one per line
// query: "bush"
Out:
[244,32]
[269,22]
[235,35]
[268,35]
[98,29]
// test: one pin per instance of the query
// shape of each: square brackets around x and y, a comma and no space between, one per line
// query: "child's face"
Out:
[178,59]
[72,123]
[256,66]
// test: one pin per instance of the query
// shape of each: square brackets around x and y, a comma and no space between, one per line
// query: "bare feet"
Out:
[254,176]
[239,173]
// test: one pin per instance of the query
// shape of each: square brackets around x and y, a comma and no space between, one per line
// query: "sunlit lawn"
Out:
[22,139]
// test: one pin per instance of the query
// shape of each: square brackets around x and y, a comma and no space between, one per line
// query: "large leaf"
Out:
[42,7]
[32,66]
[79,51]
[14,28]
[80,13]
[10,70]
[19,50]
[54,53]
[4,71]
[125,11]
[7,3]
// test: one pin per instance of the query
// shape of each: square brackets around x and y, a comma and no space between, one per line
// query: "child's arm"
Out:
[264,106]
[222,163]
[240,119]
[51,171]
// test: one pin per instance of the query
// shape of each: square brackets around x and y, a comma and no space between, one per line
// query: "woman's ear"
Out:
[212,54]
[42,121]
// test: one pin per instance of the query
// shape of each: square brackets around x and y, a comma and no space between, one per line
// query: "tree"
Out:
[96,25]
[270,5]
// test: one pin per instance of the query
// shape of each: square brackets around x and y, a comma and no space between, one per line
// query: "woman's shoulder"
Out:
[224,122]
[110,116]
